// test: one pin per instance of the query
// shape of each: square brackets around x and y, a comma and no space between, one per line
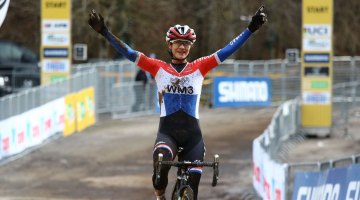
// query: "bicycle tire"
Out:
[175,194]
[186,193]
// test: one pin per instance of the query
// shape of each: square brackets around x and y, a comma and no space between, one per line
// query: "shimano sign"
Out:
[333,184]
[241,91]
[4,5]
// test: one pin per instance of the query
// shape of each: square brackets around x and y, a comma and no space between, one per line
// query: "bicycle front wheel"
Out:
[186,193]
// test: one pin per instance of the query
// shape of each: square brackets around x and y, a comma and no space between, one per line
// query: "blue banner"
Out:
[333,184]
[241,91]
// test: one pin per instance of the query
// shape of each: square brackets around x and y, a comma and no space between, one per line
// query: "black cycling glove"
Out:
[96,21]
[257,20]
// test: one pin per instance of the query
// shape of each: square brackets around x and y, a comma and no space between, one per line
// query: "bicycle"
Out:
[182,189]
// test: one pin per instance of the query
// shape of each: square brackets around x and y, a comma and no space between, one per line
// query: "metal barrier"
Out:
[25,100]
[285,77]
[284,130]
[133,98]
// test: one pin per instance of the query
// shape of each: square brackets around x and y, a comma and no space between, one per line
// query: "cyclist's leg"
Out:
[164,144]
[196,153]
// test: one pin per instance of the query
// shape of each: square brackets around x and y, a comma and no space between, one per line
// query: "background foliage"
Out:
[143,24]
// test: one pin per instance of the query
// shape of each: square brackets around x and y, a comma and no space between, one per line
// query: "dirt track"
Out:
[113,160]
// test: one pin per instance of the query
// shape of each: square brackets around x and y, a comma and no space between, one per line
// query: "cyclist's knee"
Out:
[165,150]
[167,155]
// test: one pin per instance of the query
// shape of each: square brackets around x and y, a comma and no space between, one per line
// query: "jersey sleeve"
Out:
[121,47]
[205,64]
[234,45]
[148,64]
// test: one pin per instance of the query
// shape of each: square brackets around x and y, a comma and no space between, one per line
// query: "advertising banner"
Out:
[6,137]
[268,175]
[316,65]
[13,136]
[85,108]
[335,184]
[33,127]
[70,114]
[241,91]
[55,40]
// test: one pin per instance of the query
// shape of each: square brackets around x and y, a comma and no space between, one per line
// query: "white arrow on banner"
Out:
[4,5]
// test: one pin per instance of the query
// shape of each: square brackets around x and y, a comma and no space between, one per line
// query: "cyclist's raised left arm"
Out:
[256,22]
[215,59]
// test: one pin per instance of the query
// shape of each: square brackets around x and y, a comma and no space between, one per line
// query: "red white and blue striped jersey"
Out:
[178,90]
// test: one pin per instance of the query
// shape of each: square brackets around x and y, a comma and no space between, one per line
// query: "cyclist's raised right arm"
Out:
[96,21]
[121,47]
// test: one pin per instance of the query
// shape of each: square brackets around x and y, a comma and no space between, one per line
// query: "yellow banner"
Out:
[70,114]
[55,40]
[85,108]
[318,11]
[316,67]
[56,9]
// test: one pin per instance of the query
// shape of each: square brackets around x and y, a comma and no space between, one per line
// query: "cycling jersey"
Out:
[178,91]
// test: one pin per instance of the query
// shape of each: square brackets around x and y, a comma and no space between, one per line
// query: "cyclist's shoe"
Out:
[160,194]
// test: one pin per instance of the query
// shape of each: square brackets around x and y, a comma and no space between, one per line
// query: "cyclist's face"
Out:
[180,48]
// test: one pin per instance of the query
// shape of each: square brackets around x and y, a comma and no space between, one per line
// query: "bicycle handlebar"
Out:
[187,164]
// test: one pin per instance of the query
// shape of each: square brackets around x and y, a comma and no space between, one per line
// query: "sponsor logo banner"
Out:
[85,108]
[316,98]
[62,65]
[55,39]
[55,25]
[317,30]
[316,58]
[4,5]
[317,44]
[70,114]
[56,52]
[241,91]
[317,11]
[56,9]
[336,184]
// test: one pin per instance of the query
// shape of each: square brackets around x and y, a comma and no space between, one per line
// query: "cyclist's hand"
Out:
[96,21]
[257,20]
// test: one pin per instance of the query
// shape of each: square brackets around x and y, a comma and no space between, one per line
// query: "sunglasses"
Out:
[186,43]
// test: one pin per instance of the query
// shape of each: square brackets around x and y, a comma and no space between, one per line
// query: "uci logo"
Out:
[317,31]
[4,4]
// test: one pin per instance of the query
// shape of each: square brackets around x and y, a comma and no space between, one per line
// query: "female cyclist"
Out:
[179,88]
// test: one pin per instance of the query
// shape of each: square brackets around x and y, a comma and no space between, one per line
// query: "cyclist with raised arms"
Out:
[179,88]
